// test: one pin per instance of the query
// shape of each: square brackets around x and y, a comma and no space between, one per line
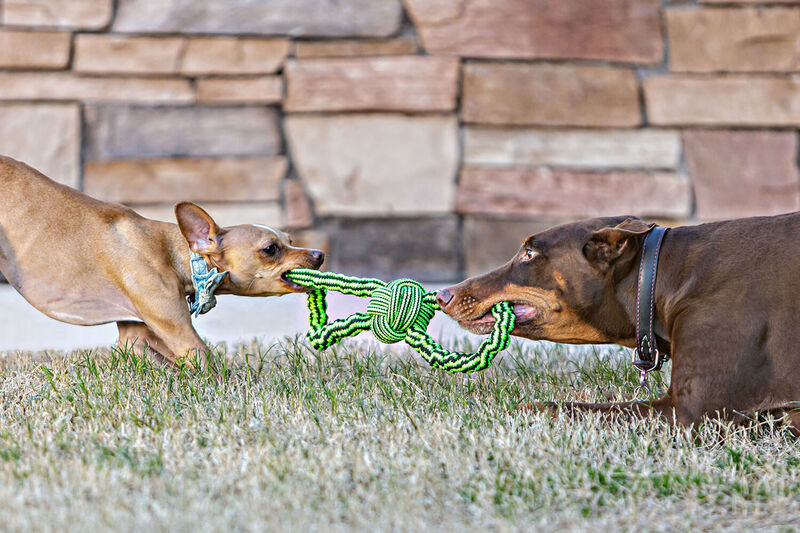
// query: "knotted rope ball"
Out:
[397,307]
[398,310]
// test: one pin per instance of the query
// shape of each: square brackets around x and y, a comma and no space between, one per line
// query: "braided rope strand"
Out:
[482,359]
[337,330]
[315,279]
[398,310]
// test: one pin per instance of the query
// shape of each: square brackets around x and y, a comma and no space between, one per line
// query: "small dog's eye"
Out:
[270,250]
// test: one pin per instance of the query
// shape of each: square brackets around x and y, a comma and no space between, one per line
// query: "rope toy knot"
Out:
[396,308]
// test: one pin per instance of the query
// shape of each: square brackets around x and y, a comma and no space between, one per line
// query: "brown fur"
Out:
[87,262]
[727,306]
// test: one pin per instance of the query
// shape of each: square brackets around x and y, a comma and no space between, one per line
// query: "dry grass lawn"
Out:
[365,438]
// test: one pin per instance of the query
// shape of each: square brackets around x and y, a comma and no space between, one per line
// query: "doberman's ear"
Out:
[198,228]
[609,244]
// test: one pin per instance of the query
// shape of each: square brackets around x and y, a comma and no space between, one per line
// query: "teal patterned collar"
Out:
[205,282]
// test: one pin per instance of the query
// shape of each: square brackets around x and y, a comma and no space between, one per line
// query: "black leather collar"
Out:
[646,356]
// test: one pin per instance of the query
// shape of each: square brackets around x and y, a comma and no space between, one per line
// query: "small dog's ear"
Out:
[608,244]
[198,228]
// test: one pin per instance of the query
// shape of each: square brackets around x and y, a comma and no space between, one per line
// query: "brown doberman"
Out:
[727,305]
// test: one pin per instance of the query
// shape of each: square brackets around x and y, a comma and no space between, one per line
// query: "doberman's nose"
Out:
[444,297]
[318,256]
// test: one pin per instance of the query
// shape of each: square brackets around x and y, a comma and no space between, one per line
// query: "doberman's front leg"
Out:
[713,373]
[662,408]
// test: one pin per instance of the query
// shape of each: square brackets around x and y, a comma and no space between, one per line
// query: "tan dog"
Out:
[87,262]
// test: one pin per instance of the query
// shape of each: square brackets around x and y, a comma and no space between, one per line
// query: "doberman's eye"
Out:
[529,254]
[272,249]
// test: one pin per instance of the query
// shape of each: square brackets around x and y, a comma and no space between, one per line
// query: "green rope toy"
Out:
[398,310]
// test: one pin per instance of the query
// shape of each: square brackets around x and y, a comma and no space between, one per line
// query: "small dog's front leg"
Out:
[169,322]
[138,337]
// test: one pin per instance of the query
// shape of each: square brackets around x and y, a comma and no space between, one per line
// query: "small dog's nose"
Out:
[318,256]
[444,297]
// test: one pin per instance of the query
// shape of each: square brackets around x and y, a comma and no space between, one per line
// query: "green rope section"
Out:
[398,310]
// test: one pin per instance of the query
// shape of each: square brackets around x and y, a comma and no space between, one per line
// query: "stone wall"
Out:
[416,137]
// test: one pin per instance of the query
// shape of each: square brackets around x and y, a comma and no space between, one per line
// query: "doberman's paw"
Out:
[533,407]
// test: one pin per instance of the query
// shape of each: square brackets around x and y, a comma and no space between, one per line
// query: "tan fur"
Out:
[87,262]
[559,277]
[557,323]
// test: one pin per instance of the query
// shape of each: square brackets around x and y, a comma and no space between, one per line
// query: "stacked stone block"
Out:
[416,137]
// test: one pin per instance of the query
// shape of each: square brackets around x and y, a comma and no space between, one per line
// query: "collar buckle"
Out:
[649,364]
